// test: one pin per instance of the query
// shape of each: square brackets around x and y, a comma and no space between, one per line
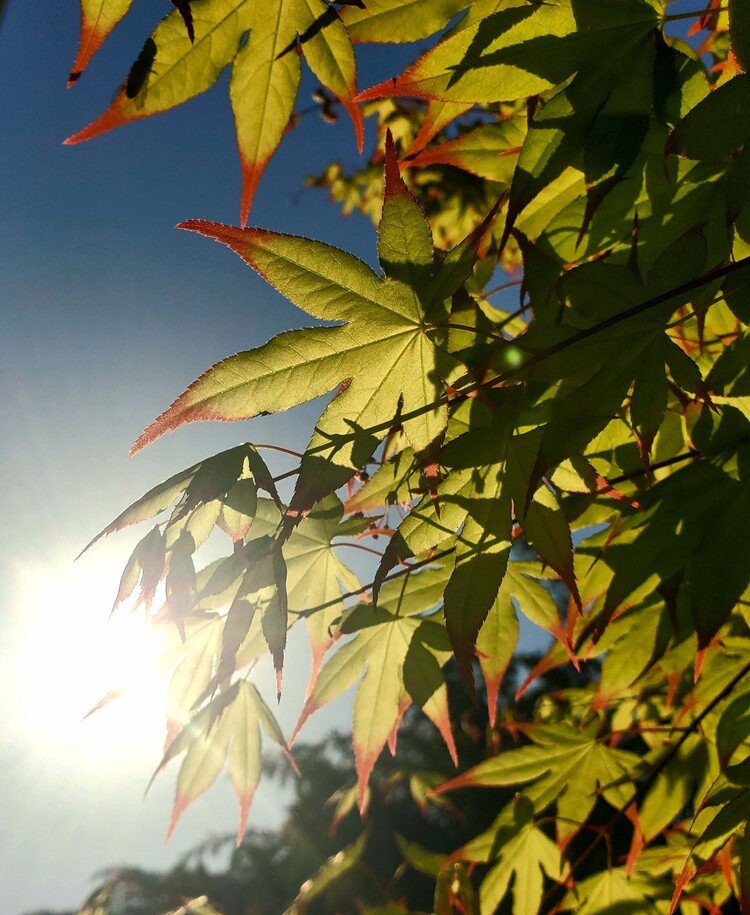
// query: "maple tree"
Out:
[579,458]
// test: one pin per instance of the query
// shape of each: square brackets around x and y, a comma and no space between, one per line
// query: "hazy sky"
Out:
[108,313]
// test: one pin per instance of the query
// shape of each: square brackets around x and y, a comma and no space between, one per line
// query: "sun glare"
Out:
[70,656]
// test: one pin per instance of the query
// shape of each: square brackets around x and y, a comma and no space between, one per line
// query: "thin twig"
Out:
[539,356]
[695,14]
[449,325]
[509,285]
[659,465]
[412,567]
[359,546]
[289,451]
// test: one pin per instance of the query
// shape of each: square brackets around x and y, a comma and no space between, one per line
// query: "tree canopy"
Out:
[578,457]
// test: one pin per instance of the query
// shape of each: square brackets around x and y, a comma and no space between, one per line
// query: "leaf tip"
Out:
[245,801]
[394,183]
[358,122]
[251,175]
[181,803]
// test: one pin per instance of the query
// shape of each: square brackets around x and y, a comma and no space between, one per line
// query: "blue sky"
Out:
[108,313]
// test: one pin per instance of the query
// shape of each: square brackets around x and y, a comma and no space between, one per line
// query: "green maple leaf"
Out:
[315,575]
[671,539]
[509,51]
[176,65]
[600,117]
[211,480]
[527,855]
[615,890]
[489,151]
[498,637]
[562,766]
[399,20]
[226,732]
[395,482]
[382,354]
[397,656]
[193,674]
[487,479]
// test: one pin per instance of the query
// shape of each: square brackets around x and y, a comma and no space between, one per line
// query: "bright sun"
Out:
[70,655]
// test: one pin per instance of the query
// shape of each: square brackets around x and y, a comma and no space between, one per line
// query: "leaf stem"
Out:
[509,285]
[289,451]
[359,546]
[408,569]
[695,14]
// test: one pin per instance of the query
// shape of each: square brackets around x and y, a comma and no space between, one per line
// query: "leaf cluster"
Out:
[577,458]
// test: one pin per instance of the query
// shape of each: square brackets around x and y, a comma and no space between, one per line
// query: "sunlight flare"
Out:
[91,686]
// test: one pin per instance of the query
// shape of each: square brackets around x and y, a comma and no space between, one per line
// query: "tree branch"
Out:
[585,334]
[653,775]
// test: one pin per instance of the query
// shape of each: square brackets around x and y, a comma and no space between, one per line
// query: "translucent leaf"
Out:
[399,20]
[172,69]
[98,19]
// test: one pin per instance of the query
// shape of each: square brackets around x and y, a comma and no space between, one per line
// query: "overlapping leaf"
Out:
[526,858]
[672,539]
[226,732]
[316,576]
[561,766]
[398,655]
[178,62]
[487,481]
[489,151]
[509,51]
[399,20]
[382,354]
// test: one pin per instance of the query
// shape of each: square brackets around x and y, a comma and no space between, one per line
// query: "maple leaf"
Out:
[226,731]
[399,20]
[266,75]
[615,890]
[525,49]
[672,539]
[192,674]
[437,117]
[498,637]
[98,19]
[211,479]
[383,351]
[397,656]
[561,765]
[489,151]
[527,855]
[395,481]
[488,476]
[177,68]
[190,48]
[315,575]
